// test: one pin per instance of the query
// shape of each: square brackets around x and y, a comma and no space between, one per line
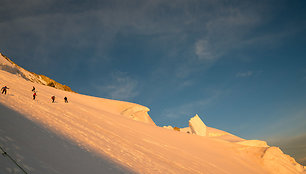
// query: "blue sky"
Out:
[239,65]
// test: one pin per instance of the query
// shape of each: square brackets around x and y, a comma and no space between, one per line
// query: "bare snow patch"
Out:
[254,143]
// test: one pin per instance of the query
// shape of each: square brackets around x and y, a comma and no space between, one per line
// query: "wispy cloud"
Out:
[249,73]
[286,124]
[245,74]
[60,26]
[203,50]
[187,110]
[120,86]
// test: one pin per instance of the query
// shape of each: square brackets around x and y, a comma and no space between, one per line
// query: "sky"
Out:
[239,65]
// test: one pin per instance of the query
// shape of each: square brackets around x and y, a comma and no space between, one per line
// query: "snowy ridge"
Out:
[139,113]
[104,128]
[8,65]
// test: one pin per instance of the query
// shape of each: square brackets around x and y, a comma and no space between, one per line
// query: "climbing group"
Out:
[34,94]
[5,88]
[52,98]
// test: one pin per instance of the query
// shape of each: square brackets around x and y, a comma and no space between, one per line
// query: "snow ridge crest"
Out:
[8,65]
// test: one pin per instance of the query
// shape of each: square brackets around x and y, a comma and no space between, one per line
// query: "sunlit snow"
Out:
[96,135]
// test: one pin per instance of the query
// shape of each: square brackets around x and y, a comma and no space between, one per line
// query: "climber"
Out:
[34,95]
[66,100]
[4,89]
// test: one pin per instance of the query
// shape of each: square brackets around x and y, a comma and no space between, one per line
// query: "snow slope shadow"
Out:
[39,150]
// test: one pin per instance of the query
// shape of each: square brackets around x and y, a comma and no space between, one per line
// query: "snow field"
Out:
[98,127]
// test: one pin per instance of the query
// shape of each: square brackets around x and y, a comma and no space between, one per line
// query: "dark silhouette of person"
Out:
[34,95]
[53,99]
[33,90]
[66,99]
[4,89]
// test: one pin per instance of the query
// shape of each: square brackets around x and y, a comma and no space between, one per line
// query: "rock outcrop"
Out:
[8,65]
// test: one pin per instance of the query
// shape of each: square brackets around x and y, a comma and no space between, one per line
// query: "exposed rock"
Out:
[185,130]
[8,65]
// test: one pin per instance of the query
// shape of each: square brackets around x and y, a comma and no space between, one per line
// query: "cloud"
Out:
[248,74]
[244,74]
[203,50]
[290,123]
[188,35]
[76,26]
[120,87]
[189,109]
[185,110]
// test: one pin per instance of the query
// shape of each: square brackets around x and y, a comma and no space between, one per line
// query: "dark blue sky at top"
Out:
[239,65]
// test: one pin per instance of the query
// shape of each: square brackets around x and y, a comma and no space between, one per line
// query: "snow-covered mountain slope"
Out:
[48,137]
[8,65]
